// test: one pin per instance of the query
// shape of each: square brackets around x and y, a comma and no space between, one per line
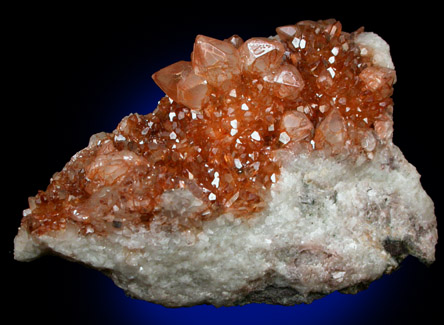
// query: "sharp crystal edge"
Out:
[267,174]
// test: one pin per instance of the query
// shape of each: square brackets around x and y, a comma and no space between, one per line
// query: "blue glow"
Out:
[141,99]
[366,307]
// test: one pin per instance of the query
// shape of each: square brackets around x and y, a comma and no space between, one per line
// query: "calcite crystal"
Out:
[266,174]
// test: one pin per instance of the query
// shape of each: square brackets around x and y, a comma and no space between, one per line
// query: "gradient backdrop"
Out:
[73,72]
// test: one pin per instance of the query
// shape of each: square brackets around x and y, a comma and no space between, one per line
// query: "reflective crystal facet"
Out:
[332,132]
[289,82]
[192,91]
[235,40]
[168,77]
[287,33]
[260,55]
[215,60]
[297,125]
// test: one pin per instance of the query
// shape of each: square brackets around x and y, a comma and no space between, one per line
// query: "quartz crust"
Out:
[267,174]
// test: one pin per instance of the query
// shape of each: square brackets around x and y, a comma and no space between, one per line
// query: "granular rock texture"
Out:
[266,174]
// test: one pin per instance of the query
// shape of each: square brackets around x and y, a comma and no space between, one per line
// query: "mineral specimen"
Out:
[266,174]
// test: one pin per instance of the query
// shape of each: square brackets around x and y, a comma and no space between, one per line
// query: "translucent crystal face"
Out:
[216,133]
[261,55]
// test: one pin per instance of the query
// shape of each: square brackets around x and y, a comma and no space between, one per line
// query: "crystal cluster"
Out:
[235,120]
[217,132]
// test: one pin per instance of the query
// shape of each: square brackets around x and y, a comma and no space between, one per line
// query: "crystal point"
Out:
[168,77]
[215,60]
[297,125]
[192,91]
[181,84]
[332,131]
[260,55]
[287,33]
[235,40]
[289,82]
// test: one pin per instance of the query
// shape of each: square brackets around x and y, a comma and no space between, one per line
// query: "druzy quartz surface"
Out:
[277,143]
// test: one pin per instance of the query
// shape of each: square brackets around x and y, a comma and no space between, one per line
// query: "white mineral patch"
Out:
[374,45]
[329,225]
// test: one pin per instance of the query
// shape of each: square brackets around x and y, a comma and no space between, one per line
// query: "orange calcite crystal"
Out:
[217,61]
[216,133]
[261,55]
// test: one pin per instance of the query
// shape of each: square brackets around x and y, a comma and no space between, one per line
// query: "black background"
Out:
[75,71]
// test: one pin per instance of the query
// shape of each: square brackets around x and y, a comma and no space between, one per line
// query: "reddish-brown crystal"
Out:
[297,125]
[261,55]
[217,61]
[168,77]
[214,137]
[288,82]
[235,40]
